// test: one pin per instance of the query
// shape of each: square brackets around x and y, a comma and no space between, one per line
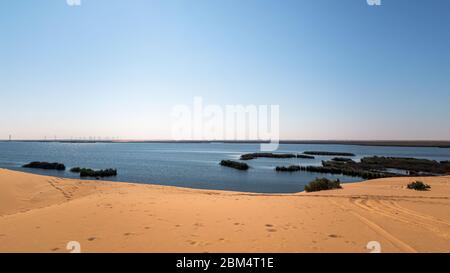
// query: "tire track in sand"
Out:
[404,247]
[419,215]
[376,206]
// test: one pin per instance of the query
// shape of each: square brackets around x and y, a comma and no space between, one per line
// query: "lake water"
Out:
[193,165]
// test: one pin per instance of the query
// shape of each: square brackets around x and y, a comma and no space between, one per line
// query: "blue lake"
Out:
[193,165]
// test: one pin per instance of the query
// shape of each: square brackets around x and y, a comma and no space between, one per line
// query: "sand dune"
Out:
[42,214]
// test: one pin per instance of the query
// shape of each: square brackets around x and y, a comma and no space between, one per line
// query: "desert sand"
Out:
[42,214]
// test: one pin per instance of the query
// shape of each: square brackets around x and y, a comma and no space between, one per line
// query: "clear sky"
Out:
[338,69]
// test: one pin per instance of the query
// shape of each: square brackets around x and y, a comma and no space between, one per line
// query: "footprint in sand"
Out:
[198,225]
[270,228]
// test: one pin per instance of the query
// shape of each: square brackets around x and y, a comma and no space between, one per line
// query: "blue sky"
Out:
[338,69]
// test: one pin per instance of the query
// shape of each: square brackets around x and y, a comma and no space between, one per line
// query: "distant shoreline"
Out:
[385,143]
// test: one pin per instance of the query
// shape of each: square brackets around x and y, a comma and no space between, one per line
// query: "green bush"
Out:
[321,184]
[418,186]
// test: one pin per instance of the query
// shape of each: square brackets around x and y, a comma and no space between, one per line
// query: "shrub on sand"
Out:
[321,184]
[418,186]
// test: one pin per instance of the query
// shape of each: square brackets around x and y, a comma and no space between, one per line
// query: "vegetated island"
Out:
[234,164]
[342,159]
[86,172]
[321,153]
[293,168]
[272,155]
[45,166]
[266,155]
[378,167]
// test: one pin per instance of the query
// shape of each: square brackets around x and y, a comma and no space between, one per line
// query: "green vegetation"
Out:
[418,186]
[85,172]
[342,159]
[321,184]
[347,171]
[267,155]
[376,167]
[45,166]
[328,153]
[234,164]
[76,170]
[305,156]
[414,165]
[293,168]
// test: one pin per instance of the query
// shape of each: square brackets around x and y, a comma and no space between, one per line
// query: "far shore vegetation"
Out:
[272,155]
[321,153]
[266,155]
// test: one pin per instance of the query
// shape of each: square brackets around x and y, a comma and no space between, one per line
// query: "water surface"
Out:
[193,165]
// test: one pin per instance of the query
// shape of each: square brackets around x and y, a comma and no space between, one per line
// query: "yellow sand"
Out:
[42,214]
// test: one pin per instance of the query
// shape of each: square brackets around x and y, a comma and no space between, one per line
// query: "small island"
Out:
[293,168]
[234,164]
[266,155]
[342,159]
[45,166]
[85,172]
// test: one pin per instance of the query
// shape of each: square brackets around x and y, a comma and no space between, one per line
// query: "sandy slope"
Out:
[42,214]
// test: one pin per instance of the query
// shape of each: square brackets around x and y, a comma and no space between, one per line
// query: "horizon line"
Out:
[381,142]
